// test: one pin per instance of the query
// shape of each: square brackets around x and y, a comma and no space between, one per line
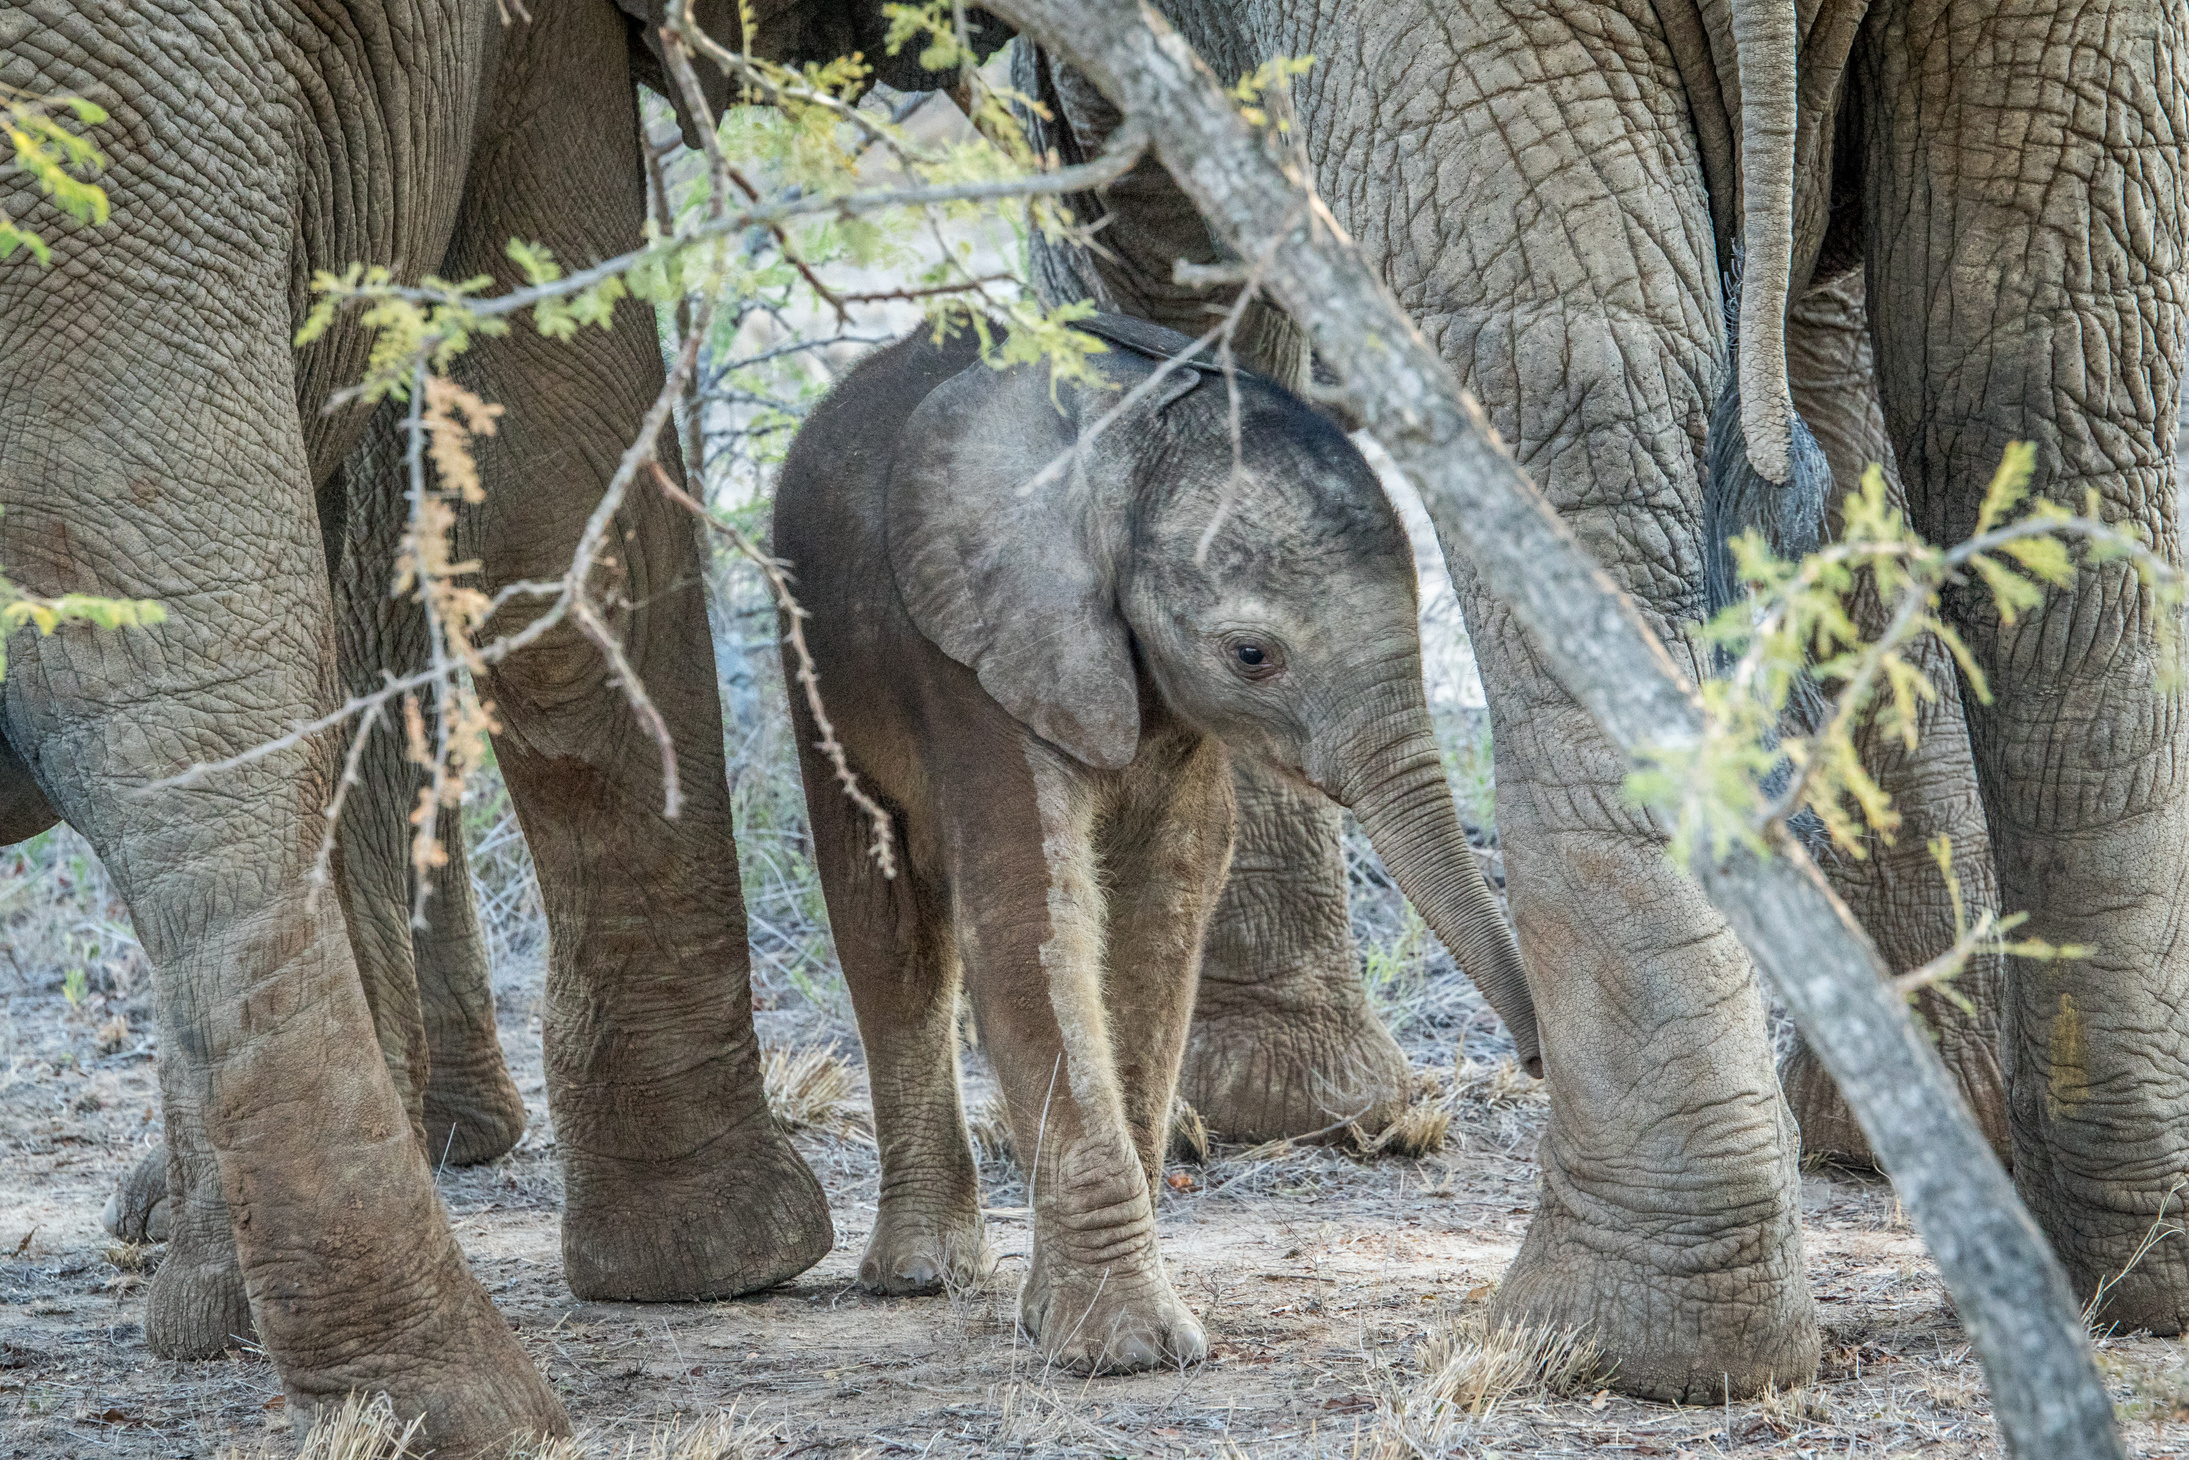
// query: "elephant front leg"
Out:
[1665,1227]
[1163,853]
[304,1209]
[1032,923]
[679,1182]
[1283,1041]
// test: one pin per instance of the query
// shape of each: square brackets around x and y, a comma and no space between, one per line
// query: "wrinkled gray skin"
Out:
[1048,703]
[160,437]
[1553,193]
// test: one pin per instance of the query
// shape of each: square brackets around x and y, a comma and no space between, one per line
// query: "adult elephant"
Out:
[160,437]
[1554,192]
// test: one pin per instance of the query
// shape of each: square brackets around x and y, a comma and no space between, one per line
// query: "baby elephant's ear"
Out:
[1018,582]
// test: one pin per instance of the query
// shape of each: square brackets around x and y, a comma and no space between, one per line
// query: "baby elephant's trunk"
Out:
[1397,790]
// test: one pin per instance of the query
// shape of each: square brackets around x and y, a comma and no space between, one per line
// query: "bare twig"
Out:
[882,846]
[323,863]
[1126,146]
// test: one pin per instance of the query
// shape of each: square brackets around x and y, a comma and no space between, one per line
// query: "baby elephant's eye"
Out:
[1254,657]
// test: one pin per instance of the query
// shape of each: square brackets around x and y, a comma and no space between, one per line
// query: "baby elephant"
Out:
[1043,683]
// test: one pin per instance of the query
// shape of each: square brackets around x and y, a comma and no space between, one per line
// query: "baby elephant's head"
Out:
[1230,541]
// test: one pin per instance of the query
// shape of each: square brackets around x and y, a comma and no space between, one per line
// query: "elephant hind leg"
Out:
[2082,747]
[1283,1041]
[1896,891]
[900,959]
[431,998]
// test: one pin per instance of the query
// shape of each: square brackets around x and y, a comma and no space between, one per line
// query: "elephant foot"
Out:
[472,1118]
[2127,1257]
[1828,1128]
[455,1365]
[741,1214]
[1264,1071]
[916,1253]
[138,1209]
[196,1307]
[1670,1330]
[1100,1321]
[1829,1131]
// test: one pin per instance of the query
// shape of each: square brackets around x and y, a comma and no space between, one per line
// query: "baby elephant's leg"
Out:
[1031,926]
[893,940]
[1163,853]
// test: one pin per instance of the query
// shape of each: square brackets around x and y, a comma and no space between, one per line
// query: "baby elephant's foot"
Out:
[1103,1322]
[137,1211]
[911,1253]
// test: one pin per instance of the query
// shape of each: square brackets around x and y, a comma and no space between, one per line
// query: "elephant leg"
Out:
[1896,890]
[472,1110]
[679,1183]
[432,1001]
[894,940]
[1029,903]
[139,1208]
[1283,1041]
[1529,179]
[2025,243]
[1162,851]
[280,1110]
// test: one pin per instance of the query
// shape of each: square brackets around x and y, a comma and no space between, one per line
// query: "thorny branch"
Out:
[1126,146]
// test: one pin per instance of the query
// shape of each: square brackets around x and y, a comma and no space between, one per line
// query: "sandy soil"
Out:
[1318,1276]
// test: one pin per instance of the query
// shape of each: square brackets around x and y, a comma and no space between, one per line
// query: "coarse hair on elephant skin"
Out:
[1044,675]
[160,437]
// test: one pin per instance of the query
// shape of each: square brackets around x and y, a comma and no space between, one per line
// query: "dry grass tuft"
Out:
[1499,1084]
[1419,1130]
[1472,1367]
[360,1429]
[1189,1135]
[810,1088]
[1468,1369]
[133,1256]
[990,1125]
[722,1436]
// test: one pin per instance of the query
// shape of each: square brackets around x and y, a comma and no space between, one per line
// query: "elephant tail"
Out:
[1737,497]
[1766,47]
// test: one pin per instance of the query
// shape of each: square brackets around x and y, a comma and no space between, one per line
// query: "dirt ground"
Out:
[1319,1276]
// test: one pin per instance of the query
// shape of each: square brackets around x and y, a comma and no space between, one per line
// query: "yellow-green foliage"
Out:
[18,608]
[62,164]
[1796,625]
[58,160]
